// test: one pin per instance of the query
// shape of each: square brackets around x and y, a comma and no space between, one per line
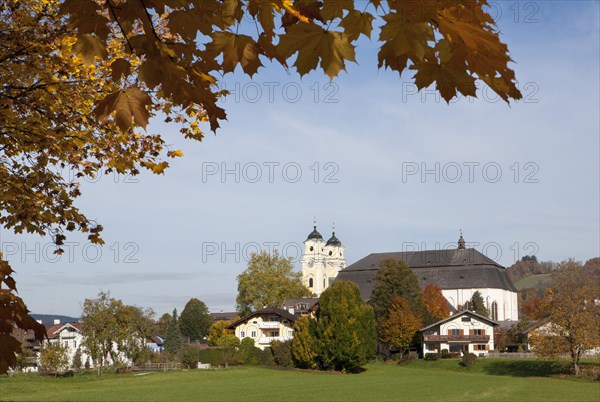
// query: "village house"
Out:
[466,332]
[71,337]
[265,326]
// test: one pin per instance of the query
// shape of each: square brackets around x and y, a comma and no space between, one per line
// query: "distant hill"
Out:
[541,281]
[49,318]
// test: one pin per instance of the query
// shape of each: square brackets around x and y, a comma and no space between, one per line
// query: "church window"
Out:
[494,311]
[310,282]
[330,252]
[311,248]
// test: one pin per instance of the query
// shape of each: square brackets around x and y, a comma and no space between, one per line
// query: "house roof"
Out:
[54,330]
[447,269]
[534,325]
[269,310]
[464,312]
[224,316]
[292,303]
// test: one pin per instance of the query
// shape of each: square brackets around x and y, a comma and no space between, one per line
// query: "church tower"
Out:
[321,261]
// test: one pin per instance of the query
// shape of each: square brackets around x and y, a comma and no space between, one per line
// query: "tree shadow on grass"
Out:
[526,368]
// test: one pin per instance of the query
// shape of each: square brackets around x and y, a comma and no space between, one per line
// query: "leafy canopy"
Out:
[400,327]
[435,303]
[573,313]
[345,333]
[268,281]
[195,320]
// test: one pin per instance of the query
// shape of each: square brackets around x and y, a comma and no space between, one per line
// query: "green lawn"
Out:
[491,379]
[534,281]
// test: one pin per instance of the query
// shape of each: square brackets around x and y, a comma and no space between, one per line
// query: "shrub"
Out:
[445,354]
[253,356]
[218,356]
[189,355]
[469,359]
[432,356]
[282,353]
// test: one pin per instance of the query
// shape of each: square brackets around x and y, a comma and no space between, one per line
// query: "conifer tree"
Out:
[173,336]
[345,331]
[477,304]
[304,352]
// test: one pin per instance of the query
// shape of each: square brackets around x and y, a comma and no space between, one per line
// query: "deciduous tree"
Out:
[345,331]
[395,278]
[54,357]
[398,330]
[217,330]
[573,306]
[195,320]
[268,281]
[81,77]
[435,303]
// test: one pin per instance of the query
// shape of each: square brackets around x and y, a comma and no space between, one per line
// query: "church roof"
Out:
[314,234]
[447,269]
[333,241]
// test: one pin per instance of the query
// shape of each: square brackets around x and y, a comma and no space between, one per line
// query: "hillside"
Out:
[49,318]
[540,281]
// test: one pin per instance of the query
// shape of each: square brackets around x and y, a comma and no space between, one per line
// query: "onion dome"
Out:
[314,235]
[333,241]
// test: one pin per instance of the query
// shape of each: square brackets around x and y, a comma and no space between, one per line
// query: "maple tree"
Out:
[401,325]
[80,78]
[435,303]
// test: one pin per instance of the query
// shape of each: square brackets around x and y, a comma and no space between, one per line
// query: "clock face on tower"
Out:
[311,263]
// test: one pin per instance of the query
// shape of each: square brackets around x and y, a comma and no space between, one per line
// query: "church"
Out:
[458,272]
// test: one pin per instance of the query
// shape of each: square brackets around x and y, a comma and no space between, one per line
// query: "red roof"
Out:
[54,330]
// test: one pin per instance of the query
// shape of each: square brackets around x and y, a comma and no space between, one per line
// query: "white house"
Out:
[462,332]
[265,326]
[69,335]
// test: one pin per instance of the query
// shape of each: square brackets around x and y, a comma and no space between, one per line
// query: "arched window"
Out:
[494,311]
[310,282]
[324,282]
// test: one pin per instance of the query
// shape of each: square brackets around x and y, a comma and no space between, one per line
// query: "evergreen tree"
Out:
[173,337]
[195,320]
[345,332]
[304,346]
[477,304]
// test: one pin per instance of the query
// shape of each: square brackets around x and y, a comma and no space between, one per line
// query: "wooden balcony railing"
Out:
[456,338]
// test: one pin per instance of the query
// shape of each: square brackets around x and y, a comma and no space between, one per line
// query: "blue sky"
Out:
[366,152]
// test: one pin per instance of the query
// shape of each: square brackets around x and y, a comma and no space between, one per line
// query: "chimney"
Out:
[56,321]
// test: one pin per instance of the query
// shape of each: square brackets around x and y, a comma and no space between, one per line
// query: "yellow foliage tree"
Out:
[81,77]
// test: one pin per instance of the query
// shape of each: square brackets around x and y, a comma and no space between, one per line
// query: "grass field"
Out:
[445,380]
[534,281]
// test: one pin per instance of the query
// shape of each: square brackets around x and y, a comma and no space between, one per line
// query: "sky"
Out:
[396,170]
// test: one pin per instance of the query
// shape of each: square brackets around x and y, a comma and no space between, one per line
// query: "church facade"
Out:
[459,273]
[322,261]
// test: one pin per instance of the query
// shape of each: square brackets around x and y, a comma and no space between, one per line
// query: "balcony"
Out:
[265,340]
[269,325]
[456,338]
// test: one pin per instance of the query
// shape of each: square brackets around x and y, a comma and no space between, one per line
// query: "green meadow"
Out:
[444,380]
